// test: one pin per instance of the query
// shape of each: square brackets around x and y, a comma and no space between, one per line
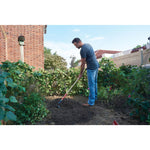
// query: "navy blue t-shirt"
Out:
[88,53]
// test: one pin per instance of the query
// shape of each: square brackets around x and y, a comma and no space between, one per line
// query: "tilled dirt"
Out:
[71,112]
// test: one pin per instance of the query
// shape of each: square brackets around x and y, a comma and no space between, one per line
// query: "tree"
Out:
[47,51]
[53,61]
[74,62]
[138,46]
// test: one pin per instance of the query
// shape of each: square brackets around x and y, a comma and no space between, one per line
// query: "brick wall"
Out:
[133,58]
[34,44]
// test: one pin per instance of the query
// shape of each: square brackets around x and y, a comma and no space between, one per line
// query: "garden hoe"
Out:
[69,90]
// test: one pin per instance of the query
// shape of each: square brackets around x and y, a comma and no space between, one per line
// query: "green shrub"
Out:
[138,83]
[31,110]
[107,94]
[110,75]
[127,69]
[138,93]
[54,82]
[21,73]
[7,98]
[141,108]
[30,106]
[57,82]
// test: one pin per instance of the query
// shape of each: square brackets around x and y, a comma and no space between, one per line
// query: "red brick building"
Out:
[33,44]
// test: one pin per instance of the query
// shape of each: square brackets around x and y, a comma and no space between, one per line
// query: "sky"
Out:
[107,37]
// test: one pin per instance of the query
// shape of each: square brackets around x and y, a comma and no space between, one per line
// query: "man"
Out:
[88,56]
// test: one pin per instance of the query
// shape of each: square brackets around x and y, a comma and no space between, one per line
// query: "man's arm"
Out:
[83,61]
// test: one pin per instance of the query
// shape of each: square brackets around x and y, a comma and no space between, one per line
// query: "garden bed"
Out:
[72,112]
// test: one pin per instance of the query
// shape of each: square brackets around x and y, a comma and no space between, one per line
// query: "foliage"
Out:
[47,51]
[138,83]
[141,108]
[6,99]
[139,96]
[22,75]
[74,62]
[110,75]
[127,69]
[23,87]
[58,82]
[138,46]
[53,61]
[31,110]
[107,94]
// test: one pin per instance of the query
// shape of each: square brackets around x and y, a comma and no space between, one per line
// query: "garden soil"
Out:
[71,112]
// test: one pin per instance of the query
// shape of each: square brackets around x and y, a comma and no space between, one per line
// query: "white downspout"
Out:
[22,52]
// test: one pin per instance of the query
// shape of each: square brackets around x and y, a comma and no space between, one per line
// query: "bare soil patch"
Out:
[72,112]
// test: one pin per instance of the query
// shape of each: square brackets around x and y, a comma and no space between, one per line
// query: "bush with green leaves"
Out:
[23,81]
[138,92]
[127,69]
[141,108]
[21,73]
[138,83]
[53,82]
[110,75]
[53,61]
[57,82]
[107,94]
[32,109]
[7,98]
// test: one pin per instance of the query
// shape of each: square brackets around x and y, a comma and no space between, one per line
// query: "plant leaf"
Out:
[9,107]
[2,113]
[11,116]
[4,99]
[13,99]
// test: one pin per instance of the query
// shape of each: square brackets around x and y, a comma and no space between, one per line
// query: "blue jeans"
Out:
[92,83]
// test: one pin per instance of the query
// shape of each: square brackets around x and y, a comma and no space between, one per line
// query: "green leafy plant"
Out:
[30,106]
[107,94]
[32,109]
[138,90]
[138,83]
[53,61]
[141,108]
[57,82]
[110,75]
[6,100]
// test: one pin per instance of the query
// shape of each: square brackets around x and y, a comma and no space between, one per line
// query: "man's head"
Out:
[77,42]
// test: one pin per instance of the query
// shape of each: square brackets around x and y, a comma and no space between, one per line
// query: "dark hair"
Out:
[77,40]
